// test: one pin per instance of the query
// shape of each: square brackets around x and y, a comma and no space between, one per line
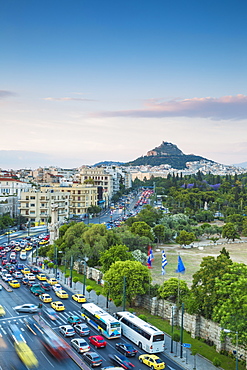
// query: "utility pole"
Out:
[71,271]
[124,292]
[182,331]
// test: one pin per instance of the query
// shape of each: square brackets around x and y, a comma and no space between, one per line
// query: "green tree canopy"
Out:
[185,238]
[141,228]
[169,289]
[114,254]
[229,231]
[138,278]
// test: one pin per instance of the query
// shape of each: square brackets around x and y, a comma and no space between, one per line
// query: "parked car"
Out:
[97,341]
[67,330]
[127,349]
[80,345]
[92,358]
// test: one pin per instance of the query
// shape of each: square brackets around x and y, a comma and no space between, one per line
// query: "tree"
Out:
[142,229]
[115,253]
[139,256]
[169,289]
[229,231]
[204,295]
[185,238]
[159,232]
[138,279]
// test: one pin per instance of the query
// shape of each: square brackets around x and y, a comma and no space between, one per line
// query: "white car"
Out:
[30,276]
[7,277]
[67,330]
[3,272]
[18,275]
[57,287]
[80,345]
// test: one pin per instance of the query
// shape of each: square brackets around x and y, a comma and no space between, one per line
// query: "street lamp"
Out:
[236,333]
[85,274]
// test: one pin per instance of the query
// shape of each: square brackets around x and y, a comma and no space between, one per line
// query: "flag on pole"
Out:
[181,267]
[150,257]
[164,263]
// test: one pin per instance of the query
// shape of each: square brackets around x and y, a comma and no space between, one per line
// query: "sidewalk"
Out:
[187,362]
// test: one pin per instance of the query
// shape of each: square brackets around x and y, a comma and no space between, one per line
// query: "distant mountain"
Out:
[166,153]
[242,165]
[108,163]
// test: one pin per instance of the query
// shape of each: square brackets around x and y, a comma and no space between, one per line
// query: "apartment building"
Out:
[81,197]
[36,205]
[10,186]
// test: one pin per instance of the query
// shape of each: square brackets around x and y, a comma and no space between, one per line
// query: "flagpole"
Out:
[178,289]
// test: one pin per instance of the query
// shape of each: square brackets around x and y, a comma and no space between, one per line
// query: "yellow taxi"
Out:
[79,298]
[62,294]
[2,311]
[58,306]
[44,242]
[52,281]
[14,283]
[41,277]
[25,270]
[17,249]
[28,248]
[152,361]
[26,355]
[46,298]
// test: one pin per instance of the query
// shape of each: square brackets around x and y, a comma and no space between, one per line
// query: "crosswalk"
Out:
[19,320]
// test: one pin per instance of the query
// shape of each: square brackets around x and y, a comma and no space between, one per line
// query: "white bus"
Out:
[144,335]
[101,320]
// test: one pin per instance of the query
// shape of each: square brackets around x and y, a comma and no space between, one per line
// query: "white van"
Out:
[23,255]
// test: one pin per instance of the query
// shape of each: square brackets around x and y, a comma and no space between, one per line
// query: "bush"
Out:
[216,362]
[143,317]
[176,337]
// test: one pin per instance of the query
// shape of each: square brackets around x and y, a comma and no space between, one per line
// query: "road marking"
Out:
[47,359]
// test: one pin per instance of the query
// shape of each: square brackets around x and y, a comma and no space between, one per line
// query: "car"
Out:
[34,270]
[13,261]
[30,276]
[15,333]
[61,294]
[2,311]
[121,360]
[56,287]
[80,345]
[79,298]
[17,248]
[14,283]
[58,306]
[17,275]
[127,349]
[67,330]
[4,261]
[97,341]
[26,355]
[41,276]
[1,287]
[12,269]
[25,281]
[30,283]
[25,270]
[92,358]
[152,361]
[45,285]
[44,242]
[20,266]
[28,248]
[7,277]
[36,289]
[73,320]
[49,313]
[82,329]
[46,298]
[3,272]
[52,281]
[27,307]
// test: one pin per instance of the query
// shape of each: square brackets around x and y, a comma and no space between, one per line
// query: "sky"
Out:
[89,81]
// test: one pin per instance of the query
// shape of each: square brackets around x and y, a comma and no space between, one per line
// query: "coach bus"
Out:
[101,320]
[144,335]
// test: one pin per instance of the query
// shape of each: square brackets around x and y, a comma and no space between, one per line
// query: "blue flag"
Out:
[164,263]
[149,261]
[181,267]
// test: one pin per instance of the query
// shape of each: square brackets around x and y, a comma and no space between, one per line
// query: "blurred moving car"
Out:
[152,361]
[92,358]
[80,345]
[82,329]
[127,349]
[55,345]
[121,360]
[79,298]
[28,307]
[49,313]
[26,355]
[2,311]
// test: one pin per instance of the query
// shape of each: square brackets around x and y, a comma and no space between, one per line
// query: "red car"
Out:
[97,341]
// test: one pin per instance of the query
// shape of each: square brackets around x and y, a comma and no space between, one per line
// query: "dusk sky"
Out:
[87,81]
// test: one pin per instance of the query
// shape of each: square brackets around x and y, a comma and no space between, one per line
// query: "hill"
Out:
[166,153]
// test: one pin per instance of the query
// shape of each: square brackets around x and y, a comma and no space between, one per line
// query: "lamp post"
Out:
[85,275]
[124,292]
[236,333]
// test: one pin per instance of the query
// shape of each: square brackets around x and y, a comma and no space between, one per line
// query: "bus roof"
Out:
[95,310]
[139,322]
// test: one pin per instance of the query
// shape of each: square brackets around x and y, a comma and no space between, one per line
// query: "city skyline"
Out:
[85,82]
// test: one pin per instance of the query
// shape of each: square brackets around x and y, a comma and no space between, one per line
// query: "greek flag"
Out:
[164,263]
[181,267]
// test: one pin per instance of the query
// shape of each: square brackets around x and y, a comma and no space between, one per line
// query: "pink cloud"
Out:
[68,99]
[225,108]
